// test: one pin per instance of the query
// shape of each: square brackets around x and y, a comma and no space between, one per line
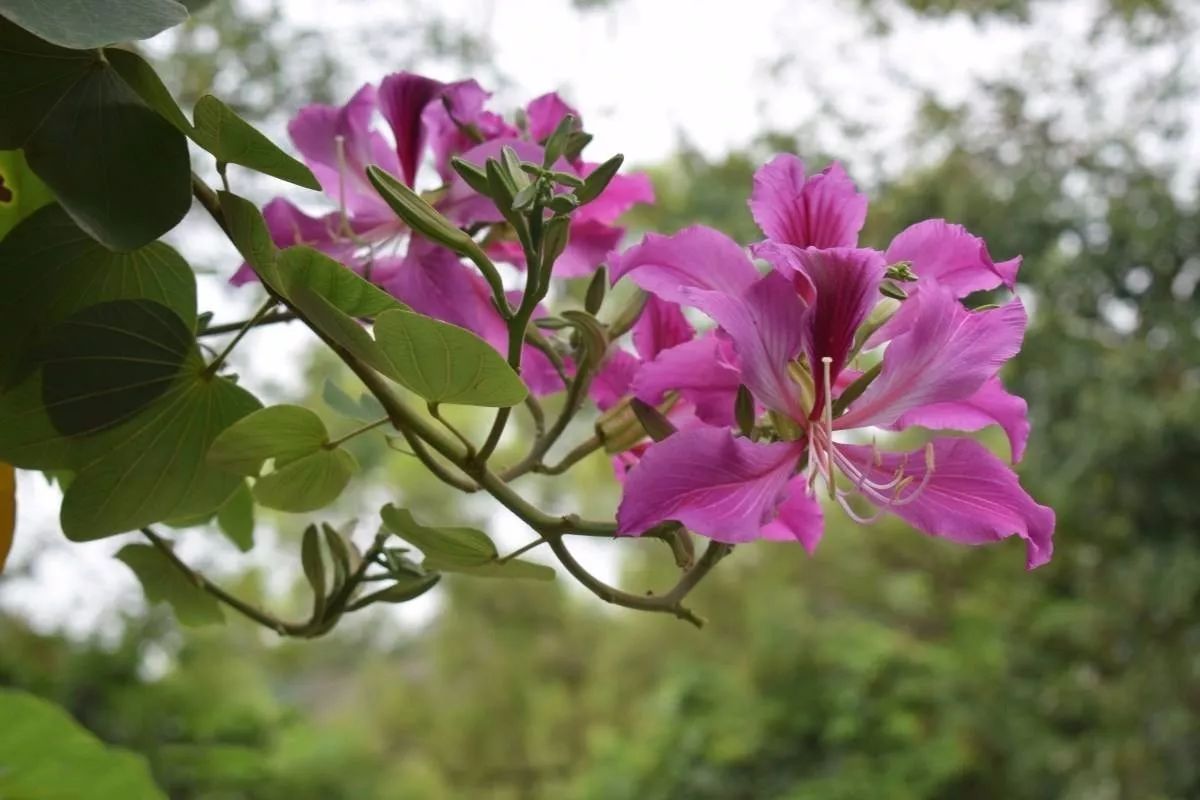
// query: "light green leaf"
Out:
[153,467]
[302,266]
[102,365]
[84,25]
[231,139]
[285,433]
[343,330]
[118,168]
[249,233]
[21,192]
[451,546]
[47,755]
[164,583]
[365,409]
[308,483]
[516,569]
[236,518]
[52,269]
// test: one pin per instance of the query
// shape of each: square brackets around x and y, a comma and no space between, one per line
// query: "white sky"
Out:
[642,75]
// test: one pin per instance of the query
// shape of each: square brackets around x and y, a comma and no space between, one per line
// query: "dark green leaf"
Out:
[457,546]
[345,291]
[284,433]
[164,583]
[119,169]
[365,409]
[109,361]
[233,140]
[52,269]
[142,78]
[153,466]
[444,363]
[236,518]
[45,754]
[21,192]
[308,483]
[92,23]
[406,587]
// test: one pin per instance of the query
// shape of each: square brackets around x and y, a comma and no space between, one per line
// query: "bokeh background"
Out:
[889,665]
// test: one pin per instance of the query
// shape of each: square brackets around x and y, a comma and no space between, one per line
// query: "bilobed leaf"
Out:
[164,583]
[339,327]
[52,269]
[153,467]
[102,365]
[249,233]
[285,433]
[365,409]
[46,754]
[21,192]
[308,483]
[8,510]
[231,139]
[236,518]
[118,168]
[450,546]
[444,363]
[305,267]
[142,78]
[92,23]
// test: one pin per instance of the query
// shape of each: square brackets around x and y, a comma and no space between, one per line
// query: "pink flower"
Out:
[793,332]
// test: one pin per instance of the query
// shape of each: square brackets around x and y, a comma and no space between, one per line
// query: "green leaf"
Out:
[249,233]
[453,547]
[92,23]
[233,140]
[118,168]
[342,329]
[347,292]
[52,269]
[236,518]
[45,754]
[21,192]
[153,467]
[406,587]
[444,363]
[164,583]
[142,78]
[365,409]
[515,569]
[284,433]
[8,510]
[308,483]
[102,365]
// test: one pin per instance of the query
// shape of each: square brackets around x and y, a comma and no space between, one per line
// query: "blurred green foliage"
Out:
[887,666]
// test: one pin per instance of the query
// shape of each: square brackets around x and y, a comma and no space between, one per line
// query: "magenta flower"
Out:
[794,333]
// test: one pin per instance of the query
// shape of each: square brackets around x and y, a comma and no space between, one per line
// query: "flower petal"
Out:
[702,371]
[461,110]
[288,225]
[403,97]
[945,355]
[614,380]
[661,325]
[697,258]
[623,192]
[717,485]
[588,245]
[952,257]
[972,497]
[766,324]
[544,113]
[800,517]
[824,210]
[990,405]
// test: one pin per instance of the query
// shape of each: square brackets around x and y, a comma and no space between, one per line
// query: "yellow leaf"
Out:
[8,510]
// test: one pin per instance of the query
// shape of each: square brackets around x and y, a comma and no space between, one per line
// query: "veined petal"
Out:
[800,517]
[971,497]
[544,113]
[946,355]
[952,257]
[990,405]
[660,327]
[824,210]
[403,97]
[702,371]
[766,324]
[695,258]
[717,485]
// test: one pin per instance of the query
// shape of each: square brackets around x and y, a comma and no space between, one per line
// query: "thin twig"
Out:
[230,327]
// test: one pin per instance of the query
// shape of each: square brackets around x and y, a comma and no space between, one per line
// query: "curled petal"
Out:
[990,405]
[660,326]
[544,114]
[403,97]
[717,485]
[695,258]
[824,210]
[702,371]
[951,257]
[971,497]
[946,355]
[800,517]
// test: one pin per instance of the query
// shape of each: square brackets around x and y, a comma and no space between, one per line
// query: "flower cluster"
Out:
[792,337]
[430,121]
